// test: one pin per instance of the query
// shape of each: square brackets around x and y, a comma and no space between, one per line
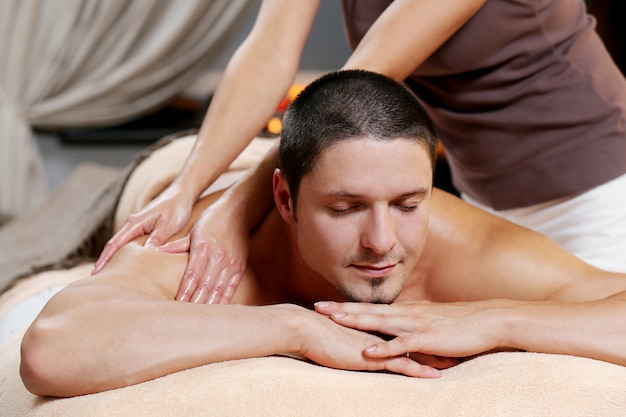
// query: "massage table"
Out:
[497,384]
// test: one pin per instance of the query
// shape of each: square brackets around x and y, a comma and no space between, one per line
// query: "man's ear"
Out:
[282,197]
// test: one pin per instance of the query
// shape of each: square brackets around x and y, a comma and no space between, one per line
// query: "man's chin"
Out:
[374,296]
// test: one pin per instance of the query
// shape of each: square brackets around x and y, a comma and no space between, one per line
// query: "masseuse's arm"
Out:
[498,286]
[407,33]
[254,83]
[212,276]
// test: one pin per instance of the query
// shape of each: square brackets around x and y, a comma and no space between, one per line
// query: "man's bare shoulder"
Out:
[468,251]
[454,224]
[473,255]
[158,274]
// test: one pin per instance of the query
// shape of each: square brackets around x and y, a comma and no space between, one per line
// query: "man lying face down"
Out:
[360,263]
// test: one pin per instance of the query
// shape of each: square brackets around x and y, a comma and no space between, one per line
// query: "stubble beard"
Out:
[376,293]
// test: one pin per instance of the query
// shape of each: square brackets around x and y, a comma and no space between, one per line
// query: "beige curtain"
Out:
[71,63]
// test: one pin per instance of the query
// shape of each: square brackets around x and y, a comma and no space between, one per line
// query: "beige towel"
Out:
[503,384]
[67,228]
[75,222]
[72,225]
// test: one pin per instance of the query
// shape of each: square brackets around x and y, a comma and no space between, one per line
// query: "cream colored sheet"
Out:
[502,384]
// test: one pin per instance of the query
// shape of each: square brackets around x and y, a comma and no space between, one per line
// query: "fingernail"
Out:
[339,315]
[370,349]
[322,304]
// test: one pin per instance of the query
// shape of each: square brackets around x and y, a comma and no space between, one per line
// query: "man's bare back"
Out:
[457,240]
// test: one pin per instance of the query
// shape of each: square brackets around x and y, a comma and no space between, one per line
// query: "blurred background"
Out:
[71,92]
[63,149]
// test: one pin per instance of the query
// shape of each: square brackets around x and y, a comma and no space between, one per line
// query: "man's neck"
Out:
[308,286]
[280,270]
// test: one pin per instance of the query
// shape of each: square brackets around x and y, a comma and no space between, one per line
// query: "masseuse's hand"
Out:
[444,330]
[162,218]
[218,248]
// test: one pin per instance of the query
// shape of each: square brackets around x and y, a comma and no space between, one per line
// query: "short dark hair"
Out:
[349,105]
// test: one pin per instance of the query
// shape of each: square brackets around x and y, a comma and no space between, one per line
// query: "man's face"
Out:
[362,216]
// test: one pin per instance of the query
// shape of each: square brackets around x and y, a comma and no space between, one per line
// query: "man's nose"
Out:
[379,233]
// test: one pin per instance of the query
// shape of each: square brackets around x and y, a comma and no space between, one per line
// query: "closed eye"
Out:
[342,212]
[406,208]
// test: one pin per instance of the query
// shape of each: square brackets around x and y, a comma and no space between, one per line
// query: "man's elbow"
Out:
[41,368]
[33,370]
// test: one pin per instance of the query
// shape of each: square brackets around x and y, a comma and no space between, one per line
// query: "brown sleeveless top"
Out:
[525,98]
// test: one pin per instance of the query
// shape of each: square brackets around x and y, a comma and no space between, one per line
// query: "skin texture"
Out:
[466,283]
[255,81]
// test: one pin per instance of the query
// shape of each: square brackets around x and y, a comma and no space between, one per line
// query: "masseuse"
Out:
[526,99]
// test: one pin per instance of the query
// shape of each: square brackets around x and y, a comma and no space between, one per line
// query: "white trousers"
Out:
[591,225]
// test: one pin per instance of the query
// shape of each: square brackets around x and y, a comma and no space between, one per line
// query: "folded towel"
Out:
[67,228]
[72,225]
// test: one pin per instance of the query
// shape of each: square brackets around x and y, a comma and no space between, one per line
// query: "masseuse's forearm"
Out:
[251,198]
[254,83]
[593,329]
[384,48]
[76,348]
[239,110]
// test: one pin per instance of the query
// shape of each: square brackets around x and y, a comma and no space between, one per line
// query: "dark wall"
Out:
[326,49]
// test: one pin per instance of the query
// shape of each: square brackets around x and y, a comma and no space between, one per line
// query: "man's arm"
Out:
[592,329]
[493,285]
[122,327]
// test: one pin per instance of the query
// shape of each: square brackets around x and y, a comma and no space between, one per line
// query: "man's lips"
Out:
[375,271]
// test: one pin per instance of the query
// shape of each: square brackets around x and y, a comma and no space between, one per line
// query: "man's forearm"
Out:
[94,338]
[593,329]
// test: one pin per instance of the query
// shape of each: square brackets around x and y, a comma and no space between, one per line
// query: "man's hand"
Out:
[218,248]
[162,218]
[454,330]
[340,347]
